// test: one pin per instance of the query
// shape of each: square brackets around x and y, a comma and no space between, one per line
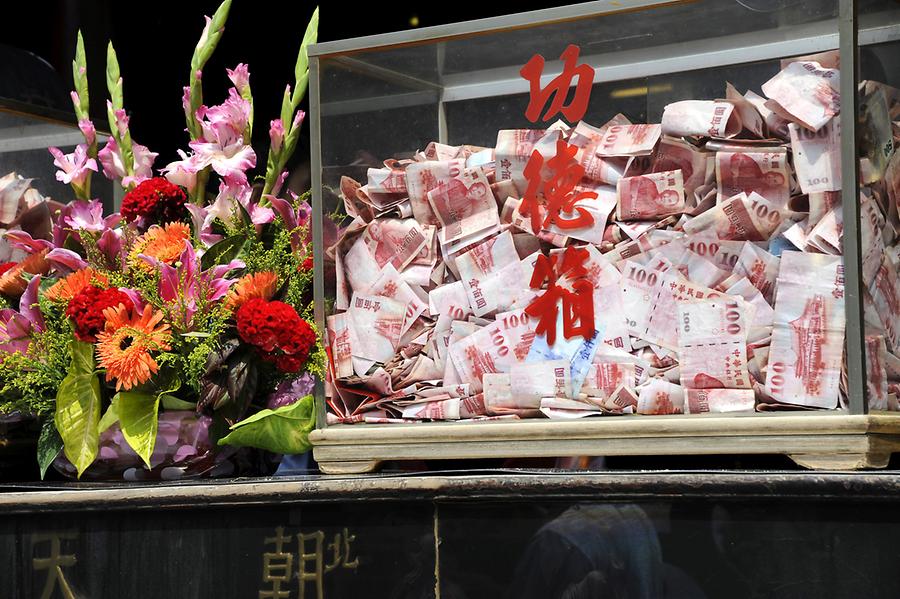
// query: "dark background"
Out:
[154,41]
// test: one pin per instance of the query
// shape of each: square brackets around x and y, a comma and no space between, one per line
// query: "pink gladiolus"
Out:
[276,135]
[111,159]
[231,161]
[183,172]
[114,164]
[186,101]
[75,166]
[121,118]
[279,183]
[240,77]
[143,165]
[225,123]
[298,119]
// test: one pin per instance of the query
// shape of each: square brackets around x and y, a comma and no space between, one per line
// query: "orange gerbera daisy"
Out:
[257,285]
[124,347]
[163,243]
[12,283]
[67,288]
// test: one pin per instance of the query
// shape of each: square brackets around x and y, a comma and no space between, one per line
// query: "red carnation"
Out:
[86,310]
[157,201]
[277,332]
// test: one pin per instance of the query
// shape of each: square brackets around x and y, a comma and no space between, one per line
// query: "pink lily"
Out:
[202,221]
[88,216]
[186,288]
[66,261]
[293,219]
[17,327]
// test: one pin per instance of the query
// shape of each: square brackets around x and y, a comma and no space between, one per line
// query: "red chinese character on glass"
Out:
[558,190]
[577,302]
[559,87]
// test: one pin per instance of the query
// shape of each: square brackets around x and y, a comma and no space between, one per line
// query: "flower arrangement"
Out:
[187,298]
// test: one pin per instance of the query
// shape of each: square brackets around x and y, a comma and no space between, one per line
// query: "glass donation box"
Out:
[26,133]
[613,228]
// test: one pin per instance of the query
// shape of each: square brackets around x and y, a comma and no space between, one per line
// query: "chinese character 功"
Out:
[559,87]
[578,304]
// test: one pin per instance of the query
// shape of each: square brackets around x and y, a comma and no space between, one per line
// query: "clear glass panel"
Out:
[746,202]
[695,550]
[879,115]
[24,140]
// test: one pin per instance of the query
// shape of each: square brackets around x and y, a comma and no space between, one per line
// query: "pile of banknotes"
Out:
[715,257]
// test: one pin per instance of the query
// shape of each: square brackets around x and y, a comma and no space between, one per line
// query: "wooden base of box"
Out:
[816,440]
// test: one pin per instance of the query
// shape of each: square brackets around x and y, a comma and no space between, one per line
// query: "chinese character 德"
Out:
[577,303]
[558,190]
[559,87]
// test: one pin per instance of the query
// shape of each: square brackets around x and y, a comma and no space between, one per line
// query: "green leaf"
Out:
[196,334]
[170,402]
[309,38]
[223,252]
[109,418]
[82,357]
[79,76]
[49,445]
[282,430]
[113,80]
[77,415]
[287,112]
[139,417]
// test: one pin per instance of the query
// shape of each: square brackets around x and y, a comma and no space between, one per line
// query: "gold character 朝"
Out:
[316,556]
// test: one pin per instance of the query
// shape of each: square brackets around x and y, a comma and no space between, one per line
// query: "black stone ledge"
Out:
[493,485]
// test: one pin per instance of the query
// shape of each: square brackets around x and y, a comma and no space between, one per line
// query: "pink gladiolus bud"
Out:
[240,77]
[87,128]
[276,135]
[298,119]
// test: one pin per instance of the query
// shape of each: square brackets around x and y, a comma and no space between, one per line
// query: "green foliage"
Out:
[139,417]
[28,382]
[282,430]
[278,158]
[223,251]
[78,408]
[49,445]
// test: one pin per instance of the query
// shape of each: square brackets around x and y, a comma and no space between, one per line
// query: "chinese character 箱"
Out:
[577,303]
[54,563]
[559,87]
[558,190]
